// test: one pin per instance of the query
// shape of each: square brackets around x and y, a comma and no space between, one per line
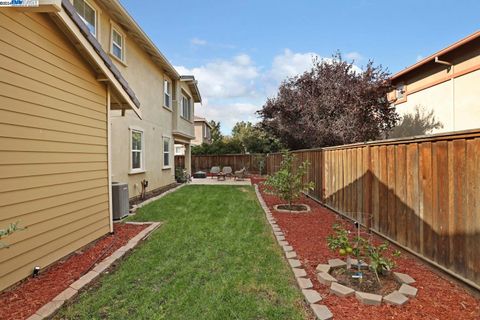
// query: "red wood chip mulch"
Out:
[30,295]
[437,298]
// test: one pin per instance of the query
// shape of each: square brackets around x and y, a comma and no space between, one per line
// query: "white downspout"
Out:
[109,165]
[437,60]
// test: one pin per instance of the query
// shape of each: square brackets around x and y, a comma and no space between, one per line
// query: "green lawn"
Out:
[214,258]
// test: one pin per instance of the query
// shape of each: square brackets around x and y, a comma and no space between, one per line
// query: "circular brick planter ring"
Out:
[277,208]
[397,297]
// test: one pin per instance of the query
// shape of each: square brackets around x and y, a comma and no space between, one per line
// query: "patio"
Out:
[214,181]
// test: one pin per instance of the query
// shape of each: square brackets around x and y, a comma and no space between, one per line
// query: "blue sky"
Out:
[240,50]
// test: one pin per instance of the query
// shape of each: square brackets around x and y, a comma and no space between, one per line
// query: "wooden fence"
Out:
[179,161]
[423,193]
[237,161]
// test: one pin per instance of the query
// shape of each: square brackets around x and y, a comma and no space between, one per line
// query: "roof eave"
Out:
[431,58]
[65,19]
[193,86]
[134,25]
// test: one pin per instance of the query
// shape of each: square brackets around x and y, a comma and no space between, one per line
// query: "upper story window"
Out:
[88,15]
[186,107]
[167,90]
[118,44]
[400,92]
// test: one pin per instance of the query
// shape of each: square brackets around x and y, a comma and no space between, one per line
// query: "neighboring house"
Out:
[143,149]
[57,88]
[446,82]
[202,131]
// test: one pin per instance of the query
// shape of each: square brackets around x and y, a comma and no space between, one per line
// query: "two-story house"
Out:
[445,82]
[143,149]
[85,98]
[202,131]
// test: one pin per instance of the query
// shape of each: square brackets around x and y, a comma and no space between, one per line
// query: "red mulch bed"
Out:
[437,298]
[31,294]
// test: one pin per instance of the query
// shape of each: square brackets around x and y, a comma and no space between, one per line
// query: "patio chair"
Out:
[227,171]
[214,171]
[240,174]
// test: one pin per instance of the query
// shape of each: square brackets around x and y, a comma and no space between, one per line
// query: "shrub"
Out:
[287,183]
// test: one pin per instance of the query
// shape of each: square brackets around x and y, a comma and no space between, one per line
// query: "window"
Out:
[117,45]
[166,152]
[206,131]
[167,89]
[179,150]
[88,15]
[137,150]
[400,92]
[186,107]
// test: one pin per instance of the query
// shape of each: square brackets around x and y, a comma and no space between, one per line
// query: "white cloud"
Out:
[234,89]
[229,113]
[289,64]
[355,56]
[225,78]
[198,42]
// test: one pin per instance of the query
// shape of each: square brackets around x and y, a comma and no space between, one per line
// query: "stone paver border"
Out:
[51,307]
[397,297]
[311,296]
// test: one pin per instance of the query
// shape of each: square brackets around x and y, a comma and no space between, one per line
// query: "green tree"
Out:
[245,138]
[254,139]
[215,132]
[287,183]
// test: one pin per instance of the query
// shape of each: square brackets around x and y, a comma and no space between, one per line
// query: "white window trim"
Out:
[98,12]
[142,153]
[170,94]
[189,98]
[117,29]
[169,166]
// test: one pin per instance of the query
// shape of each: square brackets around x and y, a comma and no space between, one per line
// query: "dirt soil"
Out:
[438,298]
[369,282]
[293,207]
[28,296]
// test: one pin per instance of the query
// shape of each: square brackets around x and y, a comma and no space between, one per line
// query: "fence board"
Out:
[237,161]
[423,193]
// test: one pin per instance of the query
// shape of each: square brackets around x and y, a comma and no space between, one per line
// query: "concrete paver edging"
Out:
[312,297]
[53,306]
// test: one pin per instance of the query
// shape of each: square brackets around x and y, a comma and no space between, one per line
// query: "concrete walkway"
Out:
[226,182]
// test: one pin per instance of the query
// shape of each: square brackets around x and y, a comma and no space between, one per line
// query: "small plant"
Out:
[360,247]
[379,263]
[13,227]
[180,176]
[340,241]
[287,183]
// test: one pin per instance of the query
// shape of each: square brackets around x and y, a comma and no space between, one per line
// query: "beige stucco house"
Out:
[57,89]
[202,131]
[446,82]
[143,149]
